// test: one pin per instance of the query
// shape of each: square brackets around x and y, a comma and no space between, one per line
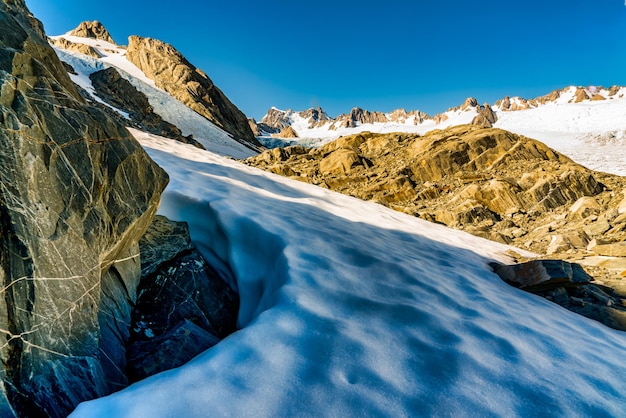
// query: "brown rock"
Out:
[287,132]
[76,47]
[486,117]
[340,161]
[93,30]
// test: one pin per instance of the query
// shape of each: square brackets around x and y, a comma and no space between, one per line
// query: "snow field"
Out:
[352,309]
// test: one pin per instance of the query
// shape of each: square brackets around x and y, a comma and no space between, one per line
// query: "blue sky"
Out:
[379,55]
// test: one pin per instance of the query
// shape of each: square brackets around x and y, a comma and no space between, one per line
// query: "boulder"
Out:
[540,275]
[340,161]
[76,194]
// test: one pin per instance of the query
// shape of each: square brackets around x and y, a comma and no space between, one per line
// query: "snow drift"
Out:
[352,309]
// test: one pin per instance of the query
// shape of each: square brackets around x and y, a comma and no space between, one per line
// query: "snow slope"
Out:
[350,309]
[592,133]
[189,122]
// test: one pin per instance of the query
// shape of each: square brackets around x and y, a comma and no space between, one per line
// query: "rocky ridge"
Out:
[485,115]
[486,181]
[118,92]
[93,30]
[171,71]
[76,194]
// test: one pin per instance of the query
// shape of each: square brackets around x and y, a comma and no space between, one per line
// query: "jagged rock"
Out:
[172,72]
[275,120]
[76,193]
[183,307]
[486,117]
[541,275]
[315,116]
[115,90]
[358,116]
[580,95]
[287,132]
[93,30]
[469,102]
[76,47]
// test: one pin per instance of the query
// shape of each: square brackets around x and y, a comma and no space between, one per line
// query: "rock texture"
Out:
[115,90]
[487,181]
[93,30]
[184,307]
[76,47]
[76,194]
[173,73]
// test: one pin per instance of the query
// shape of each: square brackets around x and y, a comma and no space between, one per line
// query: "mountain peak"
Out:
[94,30]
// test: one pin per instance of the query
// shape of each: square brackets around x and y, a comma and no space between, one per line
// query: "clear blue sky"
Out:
[380,55]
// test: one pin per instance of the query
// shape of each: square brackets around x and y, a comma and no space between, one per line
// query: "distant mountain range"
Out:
[313,121]
[570,120]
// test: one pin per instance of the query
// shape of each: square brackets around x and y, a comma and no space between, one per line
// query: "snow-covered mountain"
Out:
[352,309]
[87,55]
[587,124]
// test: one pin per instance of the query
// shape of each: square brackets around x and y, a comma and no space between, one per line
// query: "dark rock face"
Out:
[76,194]
[541,275]
[115,90]
[172,72]
[184,307]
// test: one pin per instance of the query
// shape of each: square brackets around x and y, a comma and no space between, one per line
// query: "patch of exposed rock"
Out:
[171,71]
[358,116]
[76,47]
[118,92]
[94,30]
[287,132]
[485,117]
[183,305]
[76,194]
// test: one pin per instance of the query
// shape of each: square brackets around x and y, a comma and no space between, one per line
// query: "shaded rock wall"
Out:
[115,90]
[76,193]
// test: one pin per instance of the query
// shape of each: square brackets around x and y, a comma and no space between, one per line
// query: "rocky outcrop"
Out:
[358,116]
[275,120]
[485,117]
[94,30]
[315,117]
[173,73]
[76,194]
[76,47]
[183,306]
[287,132]
[118,92]
[486,181]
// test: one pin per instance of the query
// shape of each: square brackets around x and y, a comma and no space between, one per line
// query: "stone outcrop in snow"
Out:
[76,193]
[93,30]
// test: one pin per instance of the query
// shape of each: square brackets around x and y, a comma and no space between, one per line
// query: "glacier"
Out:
[351,309]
